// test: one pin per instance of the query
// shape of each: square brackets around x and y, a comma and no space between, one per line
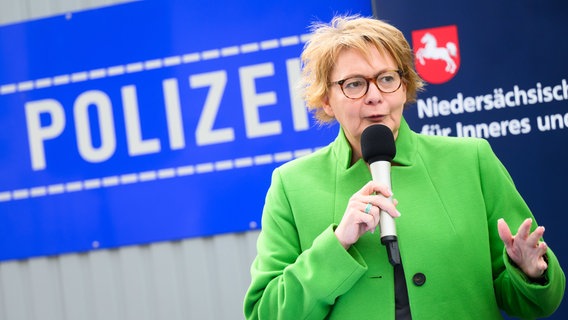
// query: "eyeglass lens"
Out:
[357,87]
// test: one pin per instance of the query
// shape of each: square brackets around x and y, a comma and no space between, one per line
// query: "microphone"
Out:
[378,148]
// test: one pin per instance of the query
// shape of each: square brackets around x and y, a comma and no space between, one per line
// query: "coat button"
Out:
[419,279]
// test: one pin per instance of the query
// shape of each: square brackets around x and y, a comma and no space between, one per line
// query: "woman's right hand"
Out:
[355,221]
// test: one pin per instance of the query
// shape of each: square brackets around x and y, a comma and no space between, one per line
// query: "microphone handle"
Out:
[380,171]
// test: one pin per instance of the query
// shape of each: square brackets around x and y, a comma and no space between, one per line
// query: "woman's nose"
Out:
[374,95]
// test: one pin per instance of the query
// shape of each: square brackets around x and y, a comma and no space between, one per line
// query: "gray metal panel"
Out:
[202,278]
[12,11]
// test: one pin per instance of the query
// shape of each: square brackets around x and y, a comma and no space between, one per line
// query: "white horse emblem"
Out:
[432,51]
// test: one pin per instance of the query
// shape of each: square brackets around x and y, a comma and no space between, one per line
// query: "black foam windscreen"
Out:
[377,143]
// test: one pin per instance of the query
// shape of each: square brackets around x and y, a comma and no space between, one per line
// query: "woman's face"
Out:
[375,107]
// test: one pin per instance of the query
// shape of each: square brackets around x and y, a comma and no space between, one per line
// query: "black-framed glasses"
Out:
[355,87]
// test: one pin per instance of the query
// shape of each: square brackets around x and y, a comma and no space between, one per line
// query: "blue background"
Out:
[503,44]
[164,209]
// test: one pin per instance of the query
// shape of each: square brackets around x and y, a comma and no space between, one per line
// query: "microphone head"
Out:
[377,143]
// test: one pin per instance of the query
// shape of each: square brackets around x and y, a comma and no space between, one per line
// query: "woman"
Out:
[318,255]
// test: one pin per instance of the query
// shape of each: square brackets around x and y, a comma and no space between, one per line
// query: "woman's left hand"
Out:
[525,248]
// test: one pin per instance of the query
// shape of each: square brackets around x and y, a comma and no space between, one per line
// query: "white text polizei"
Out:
[205,133]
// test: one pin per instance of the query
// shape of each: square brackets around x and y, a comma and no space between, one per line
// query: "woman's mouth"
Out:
[376,118]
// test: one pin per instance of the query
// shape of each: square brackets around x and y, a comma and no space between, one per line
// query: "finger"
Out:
[374,212]
[542,266]
[542,248]
[373,187]
[383,189]
[366,207]
[524,229]
[535,236]
[385,204]
[371,209]
[371,219]
[504,232]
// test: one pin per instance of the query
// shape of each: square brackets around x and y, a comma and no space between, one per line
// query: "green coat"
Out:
[451,192]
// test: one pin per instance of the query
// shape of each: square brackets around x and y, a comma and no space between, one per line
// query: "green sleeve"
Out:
[515,293]
[289,282]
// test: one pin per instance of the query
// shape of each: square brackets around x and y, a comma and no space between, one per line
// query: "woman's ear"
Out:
[327,107]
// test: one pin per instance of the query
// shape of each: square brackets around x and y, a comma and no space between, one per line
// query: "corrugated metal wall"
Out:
[203,278]
[22,10]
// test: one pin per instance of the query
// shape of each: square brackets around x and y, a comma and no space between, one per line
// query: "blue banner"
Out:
[498,70]
[164,122]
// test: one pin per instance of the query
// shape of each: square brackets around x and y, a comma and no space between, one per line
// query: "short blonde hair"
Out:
[351,32]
